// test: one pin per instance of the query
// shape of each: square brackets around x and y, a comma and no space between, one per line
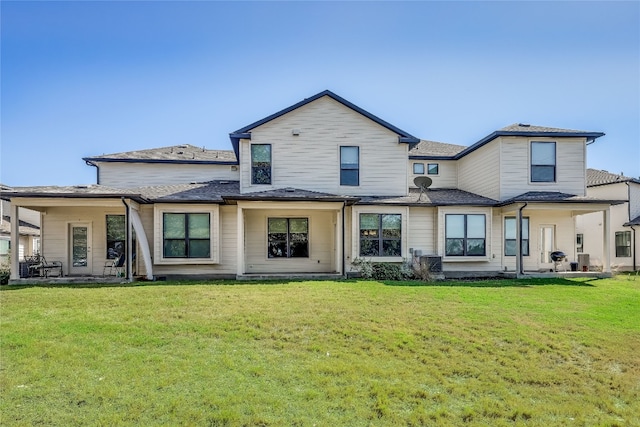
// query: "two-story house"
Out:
[625,220]
[316,186]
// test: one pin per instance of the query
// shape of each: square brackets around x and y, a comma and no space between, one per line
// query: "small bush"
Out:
[383,270]
[5,274]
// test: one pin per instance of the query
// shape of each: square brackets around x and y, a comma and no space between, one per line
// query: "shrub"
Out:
[5,274]
[383,270]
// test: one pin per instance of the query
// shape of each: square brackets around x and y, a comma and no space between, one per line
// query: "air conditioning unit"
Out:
[432,263]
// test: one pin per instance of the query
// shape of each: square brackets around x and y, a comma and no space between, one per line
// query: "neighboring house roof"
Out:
[431,197]
[24,228]
[554,197]
[597,177]
[245,132]
[635,221]
[185,153]
[434,150]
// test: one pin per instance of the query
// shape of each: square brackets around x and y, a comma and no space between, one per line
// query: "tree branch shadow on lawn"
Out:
[493,283]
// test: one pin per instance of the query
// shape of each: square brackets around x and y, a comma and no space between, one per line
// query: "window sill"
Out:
[482,258]
[185,261]
[382,258]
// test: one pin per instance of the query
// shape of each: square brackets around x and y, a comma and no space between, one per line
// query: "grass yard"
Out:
[346,353]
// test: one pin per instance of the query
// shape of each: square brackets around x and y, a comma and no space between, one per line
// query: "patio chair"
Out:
[40,267]
[115,267]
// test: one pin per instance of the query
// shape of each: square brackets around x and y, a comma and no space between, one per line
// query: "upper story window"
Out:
[288,238]
[418,168]
[260,163]
[465,235]
[623,243]
[380,234]
[432,169]
[543,162]
[349,166]
[116,236]
[186,235]
[510,236]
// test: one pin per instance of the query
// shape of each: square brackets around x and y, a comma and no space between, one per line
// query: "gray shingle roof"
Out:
[24,228]
[635,221]
[292,194]
[601,177]
[554,197]
[211,192]
[527,128]
[184,153]
[431,197]
[68,191]
[435,149]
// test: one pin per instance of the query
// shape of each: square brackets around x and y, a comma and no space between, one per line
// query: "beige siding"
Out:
[322,226]
[479,171]
[129,175]
[634,200]
[618,191]
[491,261]
[447,176]
[515,167]
[228,245]
[311,160]
[422,230]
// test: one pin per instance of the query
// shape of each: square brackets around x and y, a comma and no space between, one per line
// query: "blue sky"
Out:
[85,78]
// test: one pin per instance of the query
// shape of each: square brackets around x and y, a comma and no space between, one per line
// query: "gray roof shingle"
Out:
[435,149]
[597,177]
[431,197]
[184,153]
[554,197]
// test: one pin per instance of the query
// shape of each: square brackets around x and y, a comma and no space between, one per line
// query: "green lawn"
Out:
[348,353]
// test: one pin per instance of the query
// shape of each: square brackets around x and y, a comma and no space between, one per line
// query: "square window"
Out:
[418,168]
[465,235]
[432,169]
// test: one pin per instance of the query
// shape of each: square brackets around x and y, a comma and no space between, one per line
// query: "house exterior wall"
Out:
[515,166]
[422,230]
[311,160]
[480,171]
[322,244]
[447,176]
[131,175]
[634,200]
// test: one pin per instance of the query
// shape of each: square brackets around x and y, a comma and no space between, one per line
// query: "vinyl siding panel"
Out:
[311,160]
[515,167]
[479,171]
[422,230]
[322,226]
[618,191]
[130,175]
[447,176]
[634,200]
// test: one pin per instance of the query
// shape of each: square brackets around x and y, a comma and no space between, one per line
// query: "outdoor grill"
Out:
[557,257]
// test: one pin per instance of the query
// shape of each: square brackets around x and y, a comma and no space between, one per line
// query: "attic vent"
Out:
[81,186]
[524,125]
[224,182]
[182,146]
[180,152]
[290,190]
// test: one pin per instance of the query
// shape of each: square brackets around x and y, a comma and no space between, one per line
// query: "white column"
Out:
[240,243]
[338,241]
[519,269]
[606,240]
[15,242]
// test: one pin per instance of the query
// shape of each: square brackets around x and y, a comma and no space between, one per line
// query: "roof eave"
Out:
[176,161]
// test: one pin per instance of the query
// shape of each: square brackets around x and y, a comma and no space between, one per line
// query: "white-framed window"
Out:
[579,243]
[433,169]
[418,168]
[186,234]
[465,235]
[510,236]
[288,237]
[623,244]
[543,161]
[260,164]
[380,235]
[349,165]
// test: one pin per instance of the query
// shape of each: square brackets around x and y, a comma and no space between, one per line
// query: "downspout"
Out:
[634,248]
[127,247]
[97,170]
[519,248]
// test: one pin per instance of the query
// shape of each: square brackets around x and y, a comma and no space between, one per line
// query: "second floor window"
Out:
[543,162]
[465,235]
[349,166]
[623,244]
[261,164]
[418,168]
[186,235]
[432,169]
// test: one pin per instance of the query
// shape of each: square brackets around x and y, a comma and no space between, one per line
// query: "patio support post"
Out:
[15,243]
[606,233]
[519,257]
[240,243]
